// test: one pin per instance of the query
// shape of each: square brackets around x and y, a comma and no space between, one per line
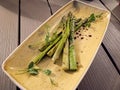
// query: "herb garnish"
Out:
[53,82]
[47,72]
[33,69]
[67,27]
[47,37]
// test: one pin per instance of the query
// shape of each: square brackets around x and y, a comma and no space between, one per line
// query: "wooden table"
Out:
[19,18]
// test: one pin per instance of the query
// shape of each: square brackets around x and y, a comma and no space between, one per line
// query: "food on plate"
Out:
[61,42]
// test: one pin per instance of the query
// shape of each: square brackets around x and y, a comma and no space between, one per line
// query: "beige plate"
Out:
[85,50]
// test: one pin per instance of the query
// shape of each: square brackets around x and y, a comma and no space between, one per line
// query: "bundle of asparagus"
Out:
[63,40]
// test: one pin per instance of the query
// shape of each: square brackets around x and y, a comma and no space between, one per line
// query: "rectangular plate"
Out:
[85,49]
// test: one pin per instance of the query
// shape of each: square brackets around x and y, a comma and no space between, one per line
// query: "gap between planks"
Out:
[110,11]
[103,45]
[110,57]
[19,28]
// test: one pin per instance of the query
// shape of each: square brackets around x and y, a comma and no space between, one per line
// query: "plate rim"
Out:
[83,74]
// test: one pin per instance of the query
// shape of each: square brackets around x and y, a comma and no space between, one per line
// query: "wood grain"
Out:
[112,36]
[55,5]
[97,77]
[101,68]
[8,36]
[32,15]
[112,40]
[26,52]
[101,75]
[113,6]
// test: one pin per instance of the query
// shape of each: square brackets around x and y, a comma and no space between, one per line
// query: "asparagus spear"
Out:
[62,41]
[80,24]
[65,59]
[38,58]
[52,51]
[35,45]
[45,44]
[72,56]
[87,21]
[60,28]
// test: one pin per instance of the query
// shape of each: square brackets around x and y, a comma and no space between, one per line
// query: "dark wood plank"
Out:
[112,36]
[101,75]
[105,65]
[8,36]
[55,5]
[112,40]
[32,15]
[113,6]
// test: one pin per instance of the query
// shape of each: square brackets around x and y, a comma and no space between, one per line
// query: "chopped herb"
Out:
[22,71]
[98,16]
[68,25]
[47,72]
[91,18]
[33,71]
[53,82]
[31,65]
[63,22]
[34,45]
[47,37]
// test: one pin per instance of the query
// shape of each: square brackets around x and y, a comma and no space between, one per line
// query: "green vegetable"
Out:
[77,21]
[47,72]
[35,45]
[50,41]
[52,51]
[79,24]
[91,18]
[38,58]
[65,59]
[47,37]
[99,15]
[53,82]
[33,69]
[87,21]
[31,65]
[72,55]
[62,42]
[63,22]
